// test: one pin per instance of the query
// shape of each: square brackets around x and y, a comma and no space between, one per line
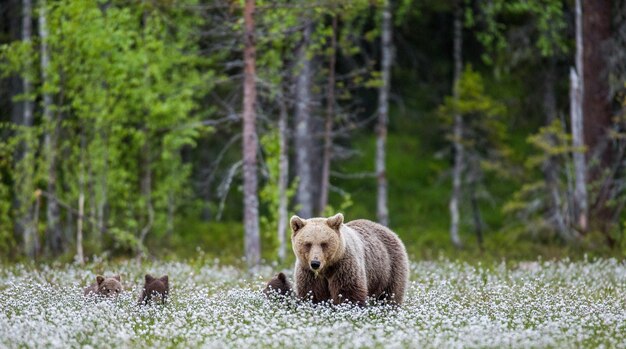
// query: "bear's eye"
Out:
[324,245]
[307,245]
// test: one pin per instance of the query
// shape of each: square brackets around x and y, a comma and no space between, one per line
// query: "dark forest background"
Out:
[160,128]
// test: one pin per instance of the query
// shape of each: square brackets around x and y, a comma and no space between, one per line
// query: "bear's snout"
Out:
[315,264]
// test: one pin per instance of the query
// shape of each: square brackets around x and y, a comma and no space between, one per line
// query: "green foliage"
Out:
[532,204]
[125,84]
[344,205]
[484,126]
[133,100]
[542,21]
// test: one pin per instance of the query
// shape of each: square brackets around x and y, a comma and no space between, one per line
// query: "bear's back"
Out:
[385,255]
[91,289]
[374,233]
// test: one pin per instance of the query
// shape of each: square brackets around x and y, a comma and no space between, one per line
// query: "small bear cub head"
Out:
[155,290]
[105,286]
[278,284]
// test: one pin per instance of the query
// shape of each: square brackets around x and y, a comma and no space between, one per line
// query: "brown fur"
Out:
[357,259]
[108,287]
[278,284]
[155,290]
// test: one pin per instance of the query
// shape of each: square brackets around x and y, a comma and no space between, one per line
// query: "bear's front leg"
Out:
[307,285]
[343,289]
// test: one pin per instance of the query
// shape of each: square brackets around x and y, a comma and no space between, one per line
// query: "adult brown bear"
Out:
[348,262]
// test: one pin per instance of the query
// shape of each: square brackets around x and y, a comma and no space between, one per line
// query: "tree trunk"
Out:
[26,221]
[303,123]
[577,93]
[250,201]
[35,222]
[81,201]
[595,32]
[580,190]
[328,126]
[458,131]
[478,221]
[382,211]
[27,20]
[146,192]
[53,228]
[596,107]
[14,85]
[283,179]
[79,225]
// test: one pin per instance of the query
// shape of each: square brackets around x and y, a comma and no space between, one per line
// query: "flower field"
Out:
[449,304]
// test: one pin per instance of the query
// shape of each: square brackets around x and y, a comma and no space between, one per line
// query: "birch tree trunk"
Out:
[458,131]
[146,192]
[26,222]
[580,191]
[250,201]
[578,141]
[283,179]
[303,132]
[382,211]
[53,229]
[79,226]
[27,24]
[81,201]
[328,126]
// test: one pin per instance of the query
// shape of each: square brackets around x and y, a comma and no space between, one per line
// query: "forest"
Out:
[164,128]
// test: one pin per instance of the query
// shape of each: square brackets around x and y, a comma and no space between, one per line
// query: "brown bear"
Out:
[278,284]
[348,262]
[155,290]
[108,287]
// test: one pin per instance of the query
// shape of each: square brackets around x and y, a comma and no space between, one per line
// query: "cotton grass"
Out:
[539,304]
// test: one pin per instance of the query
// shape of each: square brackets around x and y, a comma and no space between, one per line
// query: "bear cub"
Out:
[106,287]
[278,284]
[155,290]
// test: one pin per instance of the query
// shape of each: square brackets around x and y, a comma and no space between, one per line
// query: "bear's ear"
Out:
[149,278]
[296,224]
[117,277]
[165,280]
[335,221]
[282,277]
[99,279]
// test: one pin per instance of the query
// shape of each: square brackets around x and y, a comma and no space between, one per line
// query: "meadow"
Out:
[449,304]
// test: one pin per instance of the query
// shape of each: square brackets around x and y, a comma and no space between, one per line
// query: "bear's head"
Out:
[155,289]
[317,242]
[109,287]
[279,284]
